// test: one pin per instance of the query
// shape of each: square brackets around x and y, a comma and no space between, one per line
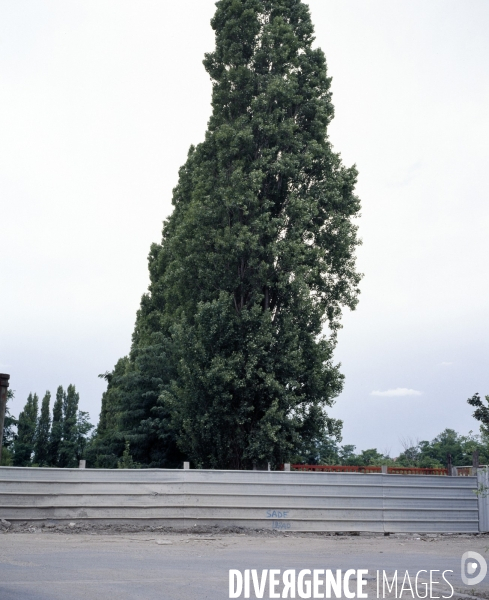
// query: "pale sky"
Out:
[99,102]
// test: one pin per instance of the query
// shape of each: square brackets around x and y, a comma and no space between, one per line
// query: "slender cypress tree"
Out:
[26,432]
[56,434]
[230,363]
[69,443]
[41,455]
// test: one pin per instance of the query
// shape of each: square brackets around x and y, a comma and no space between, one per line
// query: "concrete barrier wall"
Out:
[255,499]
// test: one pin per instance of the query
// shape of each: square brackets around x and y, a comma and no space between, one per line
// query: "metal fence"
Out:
[295,501]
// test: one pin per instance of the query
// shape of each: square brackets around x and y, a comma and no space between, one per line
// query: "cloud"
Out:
[396,393]
[445,364]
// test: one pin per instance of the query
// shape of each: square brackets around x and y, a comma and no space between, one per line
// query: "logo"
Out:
[469,568]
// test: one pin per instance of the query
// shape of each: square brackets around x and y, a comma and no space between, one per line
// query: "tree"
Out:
[230,365]
[26,432]
[8,433]
[9,423]
[329,452]
[107,443]
[83,428]
[434,454]
[481,412]
[323,451]
[75,430]
[56,434]
[127,462]
[67,449]
[41,455]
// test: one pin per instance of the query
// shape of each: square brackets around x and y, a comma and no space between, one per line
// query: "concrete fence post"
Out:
[4,379]
[82,464]
[287,467]
[483,499]
[186,465]
[384,469]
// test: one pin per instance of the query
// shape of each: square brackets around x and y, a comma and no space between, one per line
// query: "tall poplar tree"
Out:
[56,434]
[232,357]
[26,432]
[41,454]
[68,446]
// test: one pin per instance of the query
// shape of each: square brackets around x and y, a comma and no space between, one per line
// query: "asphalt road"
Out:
[52,566]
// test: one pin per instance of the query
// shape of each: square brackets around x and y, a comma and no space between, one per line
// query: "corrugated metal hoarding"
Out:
[294,501]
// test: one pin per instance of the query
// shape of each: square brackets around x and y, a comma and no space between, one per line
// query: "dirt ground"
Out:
[125,562]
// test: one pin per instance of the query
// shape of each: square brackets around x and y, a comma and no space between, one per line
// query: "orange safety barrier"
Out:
[464,471]
[369,469]
[415,471]
[337,468]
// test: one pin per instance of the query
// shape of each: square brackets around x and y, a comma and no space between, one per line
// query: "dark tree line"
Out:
[424,453]
[45,440]
[61,440]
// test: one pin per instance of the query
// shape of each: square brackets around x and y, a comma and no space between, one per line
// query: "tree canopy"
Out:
[231,364]
[424,453]
[8,432]
[26,432]
[41,448]
[481,412]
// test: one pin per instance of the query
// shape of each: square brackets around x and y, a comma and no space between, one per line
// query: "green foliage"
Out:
[56,434]
[67,449]
[75,428]
[8,434]
[481,413]
[130,412]
[323,451]
[107,444]
[60,443]
[26,432]
[8,425]
[229,364]
[434,453]
[127,462]
[83,428]
[41,455]
[424,454]
[366,458]
[7,458]
[329,452]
